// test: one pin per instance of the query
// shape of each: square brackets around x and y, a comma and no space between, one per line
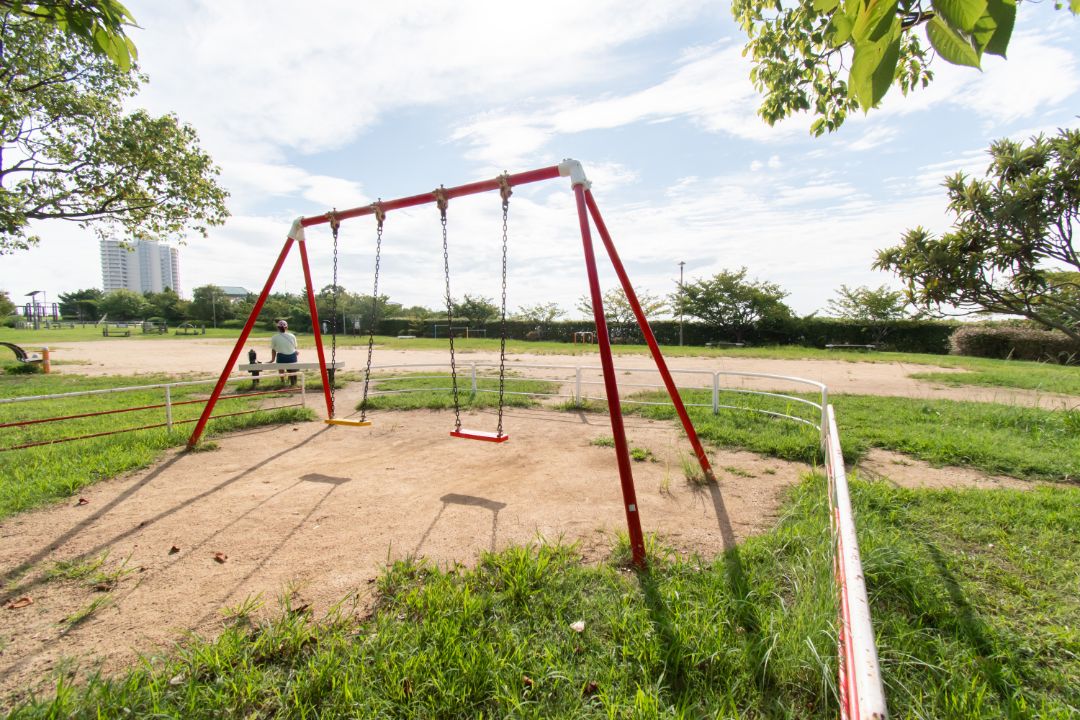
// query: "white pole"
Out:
[168,408]
[716,393]
[577,385]
[303,388]
[474,379]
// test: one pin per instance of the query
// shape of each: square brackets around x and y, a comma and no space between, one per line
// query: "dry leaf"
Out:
[174,549]
[20,603]
[83,501]
[526,681]
[220,557]
[103,586]
[578,626]
[590,689]
[177,679]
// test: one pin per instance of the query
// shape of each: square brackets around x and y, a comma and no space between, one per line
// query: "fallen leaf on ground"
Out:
[578,626]
[103,586]
[176,679]
[220,557]
[20,603]
[526,681]
[591,688]
[173,550]
[83,501]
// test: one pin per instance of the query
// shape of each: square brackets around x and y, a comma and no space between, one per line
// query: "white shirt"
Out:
[283,343]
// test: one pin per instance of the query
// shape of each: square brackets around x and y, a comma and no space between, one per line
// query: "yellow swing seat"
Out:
[349,423]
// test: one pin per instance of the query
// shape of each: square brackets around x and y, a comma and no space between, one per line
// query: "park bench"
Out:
[20,354]
[116,332]
[723,343]
[844,346]
[256,368]
[189,329]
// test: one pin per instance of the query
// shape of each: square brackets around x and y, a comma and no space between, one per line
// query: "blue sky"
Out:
[350,101]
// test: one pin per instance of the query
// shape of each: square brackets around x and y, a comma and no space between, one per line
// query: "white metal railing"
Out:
[862,695]
[166,406]
[573,384]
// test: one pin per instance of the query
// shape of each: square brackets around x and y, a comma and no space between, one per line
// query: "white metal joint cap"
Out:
[296,232]
[573,168]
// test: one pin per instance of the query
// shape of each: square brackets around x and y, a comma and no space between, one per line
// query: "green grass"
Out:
[974,604]
[433,392]
[1024,375]
[1022,442]
[32,476]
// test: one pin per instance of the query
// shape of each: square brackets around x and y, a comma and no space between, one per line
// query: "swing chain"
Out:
[380,216]
[505,192]
[335,225]
[442,202]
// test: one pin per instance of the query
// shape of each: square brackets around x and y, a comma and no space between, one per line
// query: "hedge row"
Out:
[907,336]
[1015,343]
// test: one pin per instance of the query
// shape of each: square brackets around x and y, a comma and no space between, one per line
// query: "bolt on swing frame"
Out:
[586,207]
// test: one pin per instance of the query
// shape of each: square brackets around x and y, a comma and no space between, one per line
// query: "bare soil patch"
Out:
[909,472]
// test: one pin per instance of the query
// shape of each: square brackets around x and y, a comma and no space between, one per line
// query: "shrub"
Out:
[24,369]
[1016,343]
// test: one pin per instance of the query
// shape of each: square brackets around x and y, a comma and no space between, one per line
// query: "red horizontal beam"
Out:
[524,178]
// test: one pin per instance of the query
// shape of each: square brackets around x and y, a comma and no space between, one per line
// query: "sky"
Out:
[349,102]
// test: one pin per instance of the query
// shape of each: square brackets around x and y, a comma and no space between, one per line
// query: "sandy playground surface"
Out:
[318,511]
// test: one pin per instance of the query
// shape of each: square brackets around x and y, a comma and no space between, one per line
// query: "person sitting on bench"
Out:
[283,349]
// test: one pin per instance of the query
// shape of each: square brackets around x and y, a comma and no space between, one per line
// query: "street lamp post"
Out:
[681,265]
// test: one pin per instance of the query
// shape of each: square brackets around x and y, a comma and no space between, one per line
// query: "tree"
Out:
[541,315]
[68,151]
[619,314]
[6,306]
[168,306]
[210,304]
[81,304]
[830,57]
[100,24]
[866,304]
[1010,241]
[730,303]
[479,310]
[124,305]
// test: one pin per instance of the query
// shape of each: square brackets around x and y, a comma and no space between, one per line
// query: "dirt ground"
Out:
[318,511]
[205,357]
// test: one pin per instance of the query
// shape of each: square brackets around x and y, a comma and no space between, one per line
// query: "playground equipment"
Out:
[587,337]
[586,208]
[190,329]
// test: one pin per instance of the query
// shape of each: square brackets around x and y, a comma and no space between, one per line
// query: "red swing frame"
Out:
[586,208]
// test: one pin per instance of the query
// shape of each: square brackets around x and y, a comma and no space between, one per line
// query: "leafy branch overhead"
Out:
[1011,249]
[99,24]
[832,56]
[69,151]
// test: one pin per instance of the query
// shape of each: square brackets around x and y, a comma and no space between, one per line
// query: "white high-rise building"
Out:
[146,266]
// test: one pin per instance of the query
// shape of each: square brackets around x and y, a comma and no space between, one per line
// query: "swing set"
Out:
[441,197]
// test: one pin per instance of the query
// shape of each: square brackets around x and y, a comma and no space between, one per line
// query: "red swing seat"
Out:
[479,435]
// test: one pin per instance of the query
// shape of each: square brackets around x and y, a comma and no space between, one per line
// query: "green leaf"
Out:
[825,6]
[994,29]
[961,14]
[875,20]
[950,45]
[839,30]
[873,68]
[1074,5]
